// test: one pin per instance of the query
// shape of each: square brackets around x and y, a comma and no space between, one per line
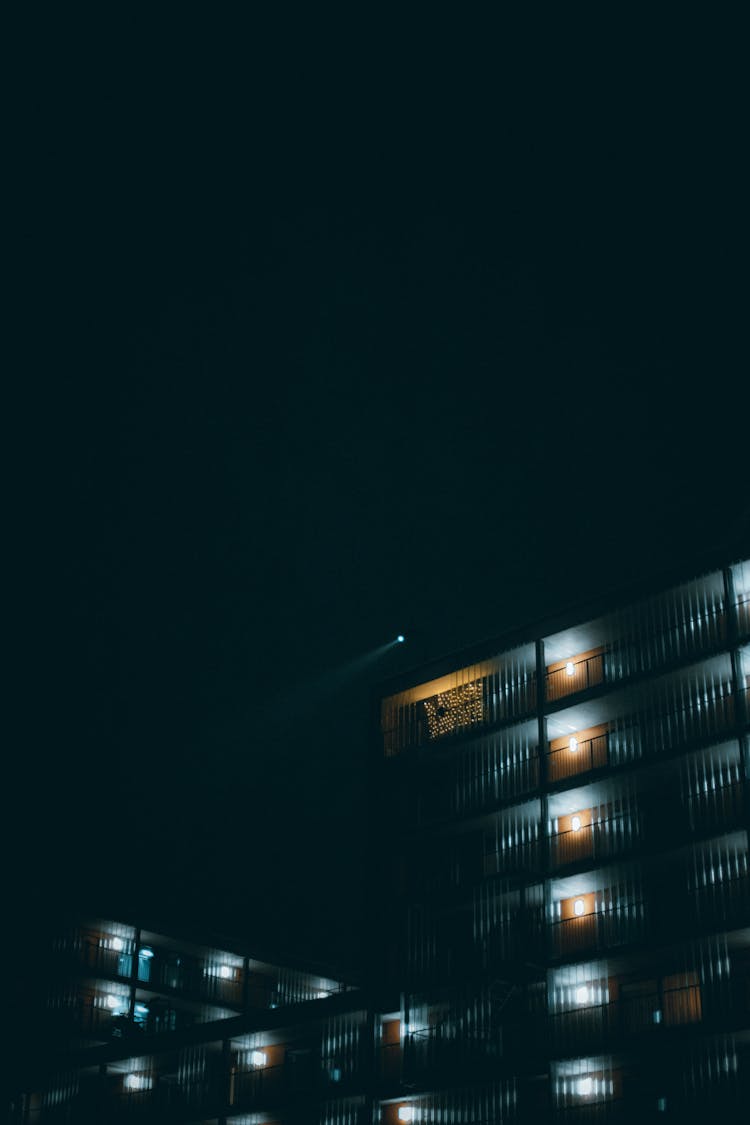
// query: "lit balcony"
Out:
[601,909]
[578,752]
[577,672]
[462,702]
[260,1073]
[593,822]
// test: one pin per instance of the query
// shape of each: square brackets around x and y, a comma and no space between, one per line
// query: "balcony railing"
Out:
[725,902]
[719,807]
[91,954]
[589,754]
[647,734]
[598,840]
[651,1013]
[600,930]
[492,785]
[687,638]
[513,858]
[577,675]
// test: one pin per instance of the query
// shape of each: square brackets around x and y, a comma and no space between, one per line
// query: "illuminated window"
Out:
[582,995]
[145,956]
[407,1113]
[226,972]
[585,1086]
[570,668]
[573,744]
[258,1058]
[578,907]
[575,823]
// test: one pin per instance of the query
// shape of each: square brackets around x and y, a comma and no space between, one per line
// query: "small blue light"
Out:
[400,638]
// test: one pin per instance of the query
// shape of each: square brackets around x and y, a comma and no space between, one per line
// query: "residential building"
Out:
[561,908]
[563,827]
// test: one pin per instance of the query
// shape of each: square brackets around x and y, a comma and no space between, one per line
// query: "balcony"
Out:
[718,807]
[703,631]
[514,859]
[501,767]
[479,696]
[267,1085]
[597,929]
[579,673]
[576,754]
[594,838]
[724,903]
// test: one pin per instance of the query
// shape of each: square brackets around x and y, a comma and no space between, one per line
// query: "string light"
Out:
[450,710]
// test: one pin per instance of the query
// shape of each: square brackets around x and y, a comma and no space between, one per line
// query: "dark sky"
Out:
[326,344]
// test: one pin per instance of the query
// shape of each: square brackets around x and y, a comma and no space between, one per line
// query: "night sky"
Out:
[322,348]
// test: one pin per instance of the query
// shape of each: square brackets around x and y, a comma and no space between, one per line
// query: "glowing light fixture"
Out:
[400,639]
[570,668]
[226,972]
[575,823]
[137,1082]
[113,1001]
[582,995]
[258,1058]
[585,1086]
[407,1113]
[573,744]
[578,907]
[146,953]
[118,944]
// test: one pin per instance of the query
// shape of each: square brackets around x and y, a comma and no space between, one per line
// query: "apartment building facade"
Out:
[138,1025]
[564,836]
